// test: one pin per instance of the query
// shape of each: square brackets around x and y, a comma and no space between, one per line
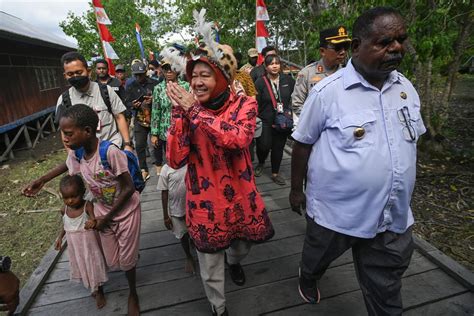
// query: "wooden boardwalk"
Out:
[271,270]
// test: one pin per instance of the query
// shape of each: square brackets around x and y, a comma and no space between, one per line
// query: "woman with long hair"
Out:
[274,95]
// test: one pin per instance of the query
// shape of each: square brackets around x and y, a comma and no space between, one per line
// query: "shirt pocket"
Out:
[411,124]
[358,129]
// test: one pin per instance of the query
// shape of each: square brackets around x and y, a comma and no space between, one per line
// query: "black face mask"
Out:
[78,82]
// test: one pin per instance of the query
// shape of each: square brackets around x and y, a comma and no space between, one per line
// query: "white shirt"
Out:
[173,180]
[361,187]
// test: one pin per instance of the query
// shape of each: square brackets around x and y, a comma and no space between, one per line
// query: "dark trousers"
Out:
[273,141]
[141,142]
[379,263]
[159,152]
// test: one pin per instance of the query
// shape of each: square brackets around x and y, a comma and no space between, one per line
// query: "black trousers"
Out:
[379,263]
[273,141]
[159,152]
[141,142]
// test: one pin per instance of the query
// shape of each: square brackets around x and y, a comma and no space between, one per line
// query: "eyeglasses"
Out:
[338,47]
[405,119]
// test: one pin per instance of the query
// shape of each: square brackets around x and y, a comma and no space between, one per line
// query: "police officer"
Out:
[333,46]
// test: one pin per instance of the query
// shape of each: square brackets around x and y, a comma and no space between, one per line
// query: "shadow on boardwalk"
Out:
[271,269]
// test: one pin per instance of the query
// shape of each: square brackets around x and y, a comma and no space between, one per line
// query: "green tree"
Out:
[154,19]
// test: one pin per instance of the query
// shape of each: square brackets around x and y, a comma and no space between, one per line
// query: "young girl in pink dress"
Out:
[85,255]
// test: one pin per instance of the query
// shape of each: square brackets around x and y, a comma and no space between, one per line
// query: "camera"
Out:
[5,264]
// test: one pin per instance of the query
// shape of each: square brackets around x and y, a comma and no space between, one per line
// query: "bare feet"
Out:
[133,305]
[100,300]
[189,266]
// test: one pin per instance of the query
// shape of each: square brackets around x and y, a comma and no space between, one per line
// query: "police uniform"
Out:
[315,72]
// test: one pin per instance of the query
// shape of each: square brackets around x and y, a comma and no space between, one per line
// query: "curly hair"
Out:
[363,24]
[73,180]
[82,115]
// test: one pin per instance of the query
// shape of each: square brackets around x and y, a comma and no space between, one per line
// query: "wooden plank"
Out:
[281,292]
[36,280]
[449,265]
[418,288]
[462,304]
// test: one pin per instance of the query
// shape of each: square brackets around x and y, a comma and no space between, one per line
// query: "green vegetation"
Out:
[25,236]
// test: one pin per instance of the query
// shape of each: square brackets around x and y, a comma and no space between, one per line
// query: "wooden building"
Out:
[31,80]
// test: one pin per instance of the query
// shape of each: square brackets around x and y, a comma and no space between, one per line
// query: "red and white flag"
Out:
[105,35]
[261,32]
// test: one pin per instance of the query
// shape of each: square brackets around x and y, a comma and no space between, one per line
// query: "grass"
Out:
[25,237]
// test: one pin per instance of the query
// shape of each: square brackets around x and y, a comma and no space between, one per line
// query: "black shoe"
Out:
[225,313]
[308,290]
[237,274]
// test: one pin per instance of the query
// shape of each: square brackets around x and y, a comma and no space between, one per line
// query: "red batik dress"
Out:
[222,201]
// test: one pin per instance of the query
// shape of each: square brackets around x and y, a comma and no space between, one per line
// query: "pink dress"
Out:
[120,242]
[85,256]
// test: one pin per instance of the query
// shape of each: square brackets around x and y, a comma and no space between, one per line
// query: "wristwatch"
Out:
[128,144]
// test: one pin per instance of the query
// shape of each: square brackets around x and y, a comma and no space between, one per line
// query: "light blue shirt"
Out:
[361,187]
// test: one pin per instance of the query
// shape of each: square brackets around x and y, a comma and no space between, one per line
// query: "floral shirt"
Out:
[223,202]
[161,110]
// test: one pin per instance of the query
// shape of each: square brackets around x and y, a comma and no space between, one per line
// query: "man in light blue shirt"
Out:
[357,138]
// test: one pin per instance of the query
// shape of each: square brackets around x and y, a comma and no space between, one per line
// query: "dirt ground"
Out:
[442,202]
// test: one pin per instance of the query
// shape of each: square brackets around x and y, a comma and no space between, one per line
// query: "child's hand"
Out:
[101,224]
[90,224]
[58,244]
[33,188]
[168,223]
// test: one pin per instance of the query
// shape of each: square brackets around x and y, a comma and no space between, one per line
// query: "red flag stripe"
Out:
[261,29]
[106,35]
[261,3]
[97,3]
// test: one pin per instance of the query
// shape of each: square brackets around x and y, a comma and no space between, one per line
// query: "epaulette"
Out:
[327,81]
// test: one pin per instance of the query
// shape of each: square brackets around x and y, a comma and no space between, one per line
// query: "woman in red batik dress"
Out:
[211,131]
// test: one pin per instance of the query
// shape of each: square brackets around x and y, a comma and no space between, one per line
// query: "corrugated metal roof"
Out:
[16,28]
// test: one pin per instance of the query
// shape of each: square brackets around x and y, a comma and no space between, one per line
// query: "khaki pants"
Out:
[213,269]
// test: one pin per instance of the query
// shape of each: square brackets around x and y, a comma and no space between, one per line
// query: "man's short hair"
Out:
[72,56]
[82,115]
[101,61]
[363,24]
[268,49]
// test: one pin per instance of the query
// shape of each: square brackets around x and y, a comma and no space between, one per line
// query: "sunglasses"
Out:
[339,47]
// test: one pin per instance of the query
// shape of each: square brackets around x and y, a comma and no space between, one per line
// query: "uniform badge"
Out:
[320,68]
[359,133]
[403,95]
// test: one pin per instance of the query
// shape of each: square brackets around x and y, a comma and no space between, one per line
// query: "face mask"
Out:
[78,82]
[150,73]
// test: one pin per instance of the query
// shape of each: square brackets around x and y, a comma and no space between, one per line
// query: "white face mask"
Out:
[150,73]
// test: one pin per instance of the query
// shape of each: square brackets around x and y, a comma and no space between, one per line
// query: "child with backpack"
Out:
[86,260]
[171,183]
[117,207]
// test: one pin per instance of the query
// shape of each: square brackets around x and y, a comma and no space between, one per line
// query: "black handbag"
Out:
[283,121]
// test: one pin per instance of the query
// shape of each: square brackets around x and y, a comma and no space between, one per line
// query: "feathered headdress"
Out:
[220,55]
[175,58]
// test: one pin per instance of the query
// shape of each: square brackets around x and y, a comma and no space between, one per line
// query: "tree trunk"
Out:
[459,47]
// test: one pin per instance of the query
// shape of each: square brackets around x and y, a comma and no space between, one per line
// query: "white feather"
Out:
[205,29]
[178,62]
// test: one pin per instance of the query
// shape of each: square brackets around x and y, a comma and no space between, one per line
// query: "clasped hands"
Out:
[179,96]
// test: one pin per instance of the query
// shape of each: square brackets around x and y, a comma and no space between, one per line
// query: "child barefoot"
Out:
[117,210]
[85,256]
[173,198]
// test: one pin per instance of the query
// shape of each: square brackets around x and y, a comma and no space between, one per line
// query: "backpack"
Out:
[66,98]
[133,166]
